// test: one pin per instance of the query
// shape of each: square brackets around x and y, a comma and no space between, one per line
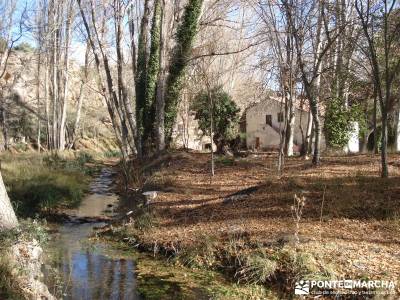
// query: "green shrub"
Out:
[225,161]
[225,115]
[83,158]
[339,120]
[112,153]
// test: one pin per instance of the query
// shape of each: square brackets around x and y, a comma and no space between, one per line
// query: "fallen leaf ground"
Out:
[351,218]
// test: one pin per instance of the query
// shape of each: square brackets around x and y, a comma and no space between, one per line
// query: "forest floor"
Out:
[349,228]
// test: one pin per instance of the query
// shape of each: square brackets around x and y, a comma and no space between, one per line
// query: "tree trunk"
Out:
[152,74]
[160,106]
[211,128]
[3,122]
[160,96]
[38,99]
[317,133]
[290,130]
[126,105]
[61,138]
[384,140]
[398,130]
[110,99]
[141,70]
[186,33]
[313,93]
[307,135]
[8,219]
[75,129]
[376,148]
[46,105]
[54,82]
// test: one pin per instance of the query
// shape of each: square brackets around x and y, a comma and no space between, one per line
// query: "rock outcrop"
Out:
[26,263]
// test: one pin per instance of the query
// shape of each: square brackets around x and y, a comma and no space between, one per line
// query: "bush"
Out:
[25,47]
[256,268]
[144,220]
[225,161]
[338,122]
[302,265]
[225,115]
[112,153]
[200,254]
[83,158]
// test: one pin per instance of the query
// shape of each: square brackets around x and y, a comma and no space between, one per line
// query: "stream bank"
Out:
[81,267]
[81,264]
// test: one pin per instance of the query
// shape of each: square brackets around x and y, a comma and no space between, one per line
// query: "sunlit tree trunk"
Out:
[62,125]
[8,219]
[75,129]
[160,96]
[398,130]
[38,100]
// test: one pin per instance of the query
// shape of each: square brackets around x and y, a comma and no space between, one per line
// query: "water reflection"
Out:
[77,269]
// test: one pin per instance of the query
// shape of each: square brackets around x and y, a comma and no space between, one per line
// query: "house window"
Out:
[180,128]
[280,117]
[268,120]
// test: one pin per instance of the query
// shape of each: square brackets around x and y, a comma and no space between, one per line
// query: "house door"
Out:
[257,143]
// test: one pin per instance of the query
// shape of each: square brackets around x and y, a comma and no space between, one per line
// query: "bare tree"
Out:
[383,72]
[311,32]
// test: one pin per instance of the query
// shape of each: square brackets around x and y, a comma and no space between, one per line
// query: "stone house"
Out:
[264,119]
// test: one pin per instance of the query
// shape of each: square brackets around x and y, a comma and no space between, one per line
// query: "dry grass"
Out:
[356,233]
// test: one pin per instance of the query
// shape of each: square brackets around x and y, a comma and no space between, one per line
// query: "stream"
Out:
[78,269]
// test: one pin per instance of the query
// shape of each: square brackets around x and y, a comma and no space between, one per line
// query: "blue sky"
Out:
[27,9]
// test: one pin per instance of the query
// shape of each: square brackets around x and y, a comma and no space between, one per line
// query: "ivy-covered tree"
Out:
[225,115]
[141,74]
[185,35]
[153,68]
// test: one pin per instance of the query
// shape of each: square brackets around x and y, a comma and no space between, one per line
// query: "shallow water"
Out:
[78,269]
